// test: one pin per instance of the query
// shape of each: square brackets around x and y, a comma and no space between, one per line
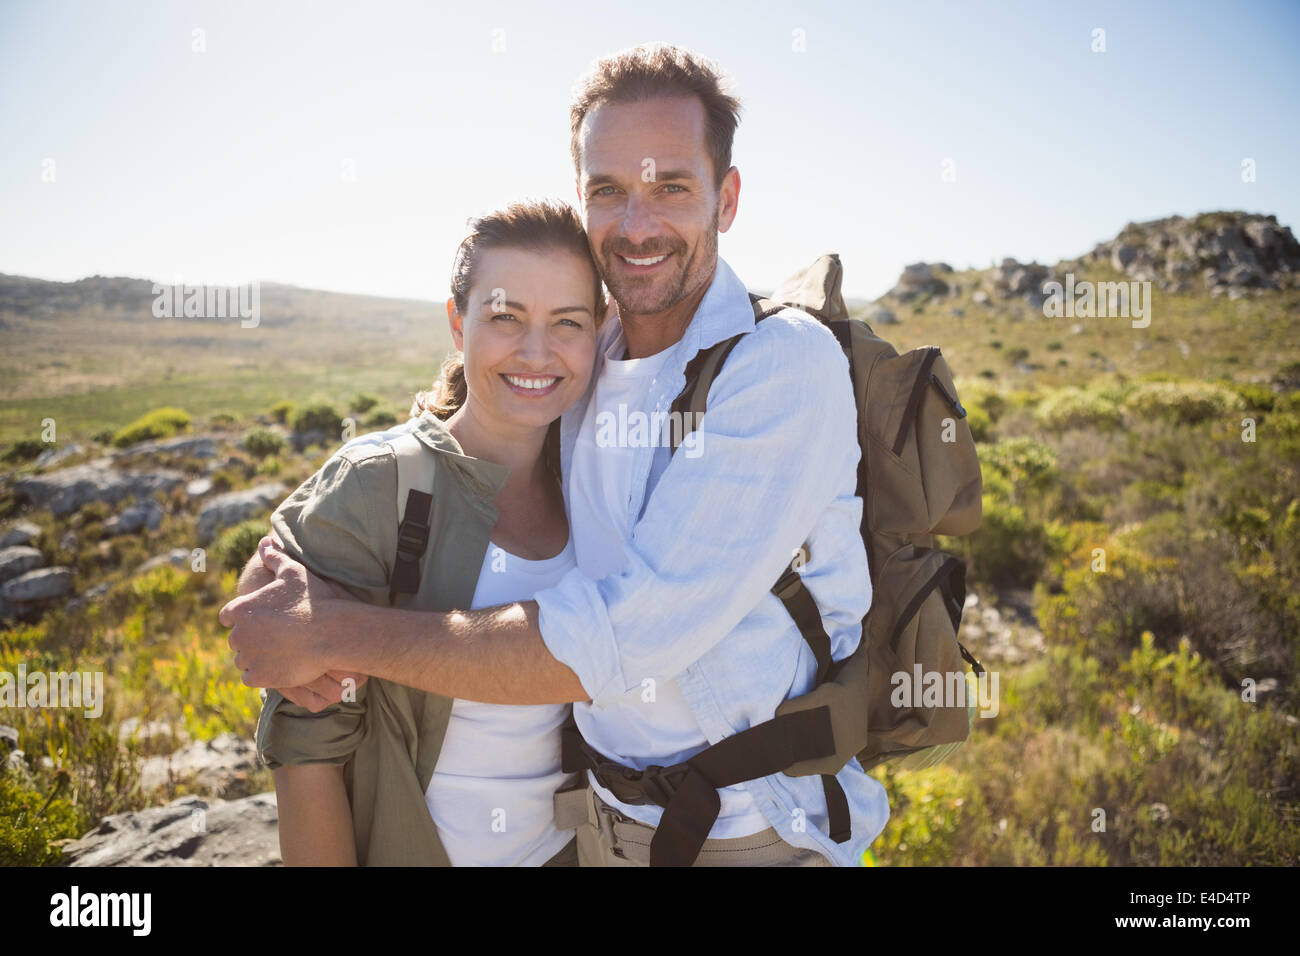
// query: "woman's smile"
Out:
[532,386]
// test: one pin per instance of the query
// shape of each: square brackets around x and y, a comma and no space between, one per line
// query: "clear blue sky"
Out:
[226,165]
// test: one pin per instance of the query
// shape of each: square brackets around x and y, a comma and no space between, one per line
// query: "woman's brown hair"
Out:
[536,225]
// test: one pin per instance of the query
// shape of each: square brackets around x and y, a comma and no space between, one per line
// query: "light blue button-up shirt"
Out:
[776,466]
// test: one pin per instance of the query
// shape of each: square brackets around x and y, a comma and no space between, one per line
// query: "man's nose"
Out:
[637,226]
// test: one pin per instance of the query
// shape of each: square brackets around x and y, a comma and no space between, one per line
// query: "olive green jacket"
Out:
[341,523]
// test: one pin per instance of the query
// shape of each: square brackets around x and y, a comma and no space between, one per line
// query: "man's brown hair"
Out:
[653,70]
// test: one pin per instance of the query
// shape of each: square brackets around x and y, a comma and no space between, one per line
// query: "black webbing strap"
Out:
[793,593]
[412,539]
[688,791]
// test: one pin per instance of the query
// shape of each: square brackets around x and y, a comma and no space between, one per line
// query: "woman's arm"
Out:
[315,818]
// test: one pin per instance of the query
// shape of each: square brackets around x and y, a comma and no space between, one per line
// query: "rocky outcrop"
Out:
[920,279]
[236,506]
[1226,253]
[70,489]
[219,766]
[193,446]
[190,831]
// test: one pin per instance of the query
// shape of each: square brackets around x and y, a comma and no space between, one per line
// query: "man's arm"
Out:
[293,627]
[778,445]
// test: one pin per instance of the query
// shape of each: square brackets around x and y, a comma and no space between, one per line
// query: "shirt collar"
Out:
[724,311]
[485,477]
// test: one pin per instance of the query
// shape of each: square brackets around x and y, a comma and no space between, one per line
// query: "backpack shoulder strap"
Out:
[703,369]
[415,474]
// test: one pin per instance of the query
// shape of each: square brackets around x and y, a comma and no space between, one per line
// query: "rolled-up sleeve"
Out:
[329,523]
[777,445]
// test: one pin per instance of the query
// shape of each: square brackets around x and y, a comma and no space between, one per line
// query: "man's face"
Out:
[646,188]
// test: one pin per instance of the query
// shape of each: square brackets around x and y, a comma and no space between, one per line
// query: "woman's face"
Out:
[528,334]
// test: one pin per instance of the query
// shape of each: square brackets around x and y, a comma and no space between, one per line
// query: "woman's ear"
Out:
[457,325]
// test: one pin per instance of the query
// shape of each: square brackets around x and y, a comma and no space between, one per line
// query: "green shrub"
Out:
[363,403]
[1183,402]
[30,821]
[282,411]
[1017,355]
[236,545]
[1259,397]
[1028,465]
[1070,408]
[379,418]
[1008,550]
[159,423]
[25,449]
[981,426]
[261,442]
[317,417]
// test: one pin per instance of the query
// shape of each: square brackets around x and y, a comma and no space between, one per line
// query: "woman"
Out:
[398,776]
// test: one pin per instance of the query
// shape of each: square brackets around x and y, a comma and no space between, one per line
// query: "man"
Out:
[666,636]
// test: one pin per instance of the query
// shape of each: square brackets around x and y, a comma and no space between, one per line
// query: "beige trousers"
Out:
[608,838]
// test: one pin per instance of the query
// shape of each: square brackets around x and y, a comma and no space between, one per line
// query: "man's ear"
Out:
[728,199]
[456,322]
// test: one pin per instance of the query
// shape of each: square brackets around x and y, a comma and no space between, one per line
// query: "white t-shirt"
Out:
[646,719]
[492,791]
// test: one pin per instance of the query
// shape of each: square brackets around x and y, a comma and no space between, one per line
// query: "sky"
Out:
[342,146]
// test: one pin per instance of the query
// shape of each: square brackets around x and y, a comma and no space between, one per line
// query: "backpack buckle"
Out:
[790,580]
[660,783]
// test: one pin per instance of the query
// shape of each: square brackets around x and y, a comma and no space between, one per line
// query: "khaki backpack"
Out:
[918,476]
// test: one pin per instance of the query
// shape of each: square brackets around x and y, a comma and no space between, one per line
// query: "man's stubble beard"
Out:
[630,303]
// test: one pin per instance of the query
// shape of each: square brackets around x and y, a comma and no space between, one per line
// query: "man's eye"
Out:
[576,325]
[675,186]
[601,191]
[503,315]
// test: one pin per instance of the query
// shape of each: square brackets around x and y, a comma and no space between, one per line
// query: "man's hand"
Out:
[280,632]
[321,692]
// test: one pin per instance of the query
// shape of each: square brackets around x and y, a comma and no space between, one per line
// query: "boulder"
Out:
[18,560]
[39,585]
[143,514]
[878,314]
[219,766]
[236,506]
[199,487]
[176,557]
[20,532]
[193,446]
[70,489]
[189,831]
[56,454]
